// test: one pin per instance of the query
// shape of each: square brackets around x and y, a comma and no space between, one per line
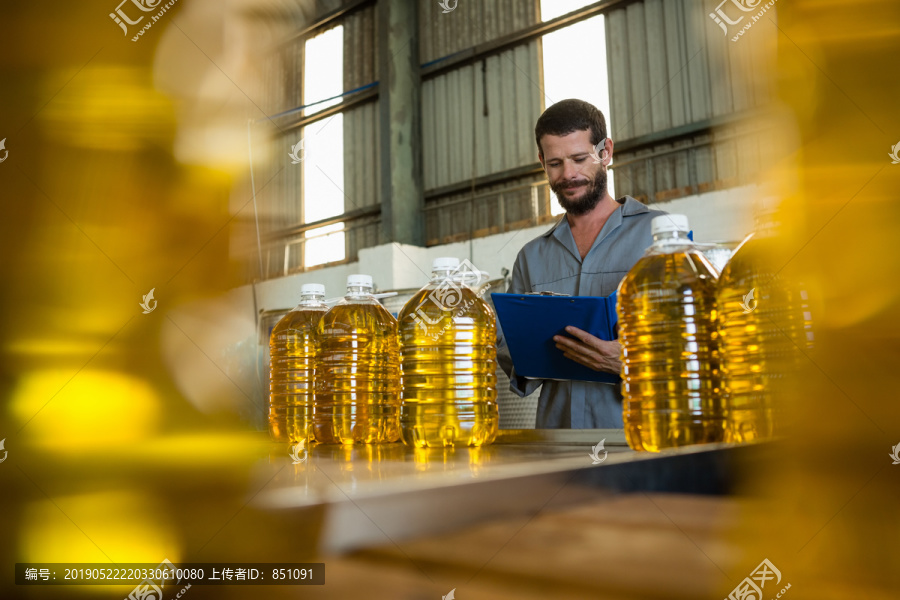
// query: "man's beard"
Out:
[594,191]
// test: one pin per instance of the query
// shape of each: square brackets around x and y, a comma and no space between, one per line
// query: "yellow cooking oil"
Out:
[631,417]
[764,325]
[358,370]
[448,358]
[292,354]
[667,315]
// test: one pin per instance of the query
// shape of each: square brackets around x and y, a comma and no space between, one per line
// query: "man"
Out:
[587,253]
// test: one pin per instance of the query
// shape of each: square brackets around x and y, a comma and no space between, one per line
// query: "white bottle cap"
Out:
[670,222]
[358,280]
[312,288]
[445,263]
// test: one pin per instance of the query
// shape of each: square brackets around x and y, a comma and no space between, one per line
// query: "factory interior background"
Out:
[220,154]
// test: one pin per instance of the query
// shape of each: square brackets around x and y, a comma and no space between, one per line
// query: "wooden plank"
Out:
[639,111]
[502,124]
[624,180]
[446,141]
[673,16]
[527,103]
[374,111]
[451,113]
[509,73]
[619,121]
[748,158]
[741,64]
[660,89]
[429,127]
[726,161]
[720,75]
[696,62]
[682,172]
[369,118]
[664,172]
[482,143]
[704,166]
[764,63]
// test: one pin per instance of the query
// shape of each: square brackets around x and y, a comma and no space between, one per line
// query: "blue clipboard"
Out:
[529,323]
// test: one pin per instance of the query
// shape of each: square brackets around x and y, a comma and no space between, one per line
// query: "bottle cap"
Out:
[445,263]
[670,222]
[358,280]
[312,288]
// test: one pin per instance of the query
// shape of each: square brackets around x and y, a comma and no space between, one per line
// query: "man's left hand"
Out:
[590,351]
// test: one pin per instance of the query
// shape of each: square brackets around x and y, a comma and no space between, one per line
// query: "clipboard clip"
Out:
[546,293]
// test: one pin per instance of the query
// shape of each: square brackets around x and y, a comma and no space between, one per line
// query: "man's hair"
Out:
[567,116]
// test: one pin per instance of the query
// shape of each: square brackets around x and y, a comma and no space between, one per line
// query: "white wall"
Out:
[398,266]
[720,216]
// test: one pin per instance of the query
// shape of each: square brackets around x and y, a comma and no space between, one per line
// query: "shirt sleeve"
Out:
[522,386]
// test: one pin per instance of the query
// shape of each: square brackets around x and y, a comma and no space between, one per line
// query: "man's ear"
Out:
[609,151]
[541,159]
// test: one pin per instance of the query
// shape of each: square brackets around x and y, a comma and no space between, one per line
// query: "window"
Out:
[574,65]
[323,147]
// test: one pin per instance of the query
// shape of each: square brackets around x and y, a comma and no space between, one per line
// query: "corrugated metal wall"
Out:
[362,165]
[524,202]
[478,119]
[670,66]
[360,47]
[470,23]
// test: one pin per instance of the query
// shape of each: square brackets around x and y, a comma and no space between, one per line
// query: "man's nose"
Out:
[570,169]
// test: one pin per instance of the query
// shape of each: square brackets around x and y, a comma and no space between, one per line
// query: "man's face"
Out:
[578,182]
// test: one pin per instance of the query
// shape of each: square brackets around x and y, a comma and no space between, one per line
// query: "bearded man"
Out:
[586,253]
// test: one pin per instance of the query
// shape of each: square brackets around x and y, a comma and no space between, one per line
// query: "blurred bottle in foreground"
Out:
[764,325]
[358,382]
[824,498]
[292,352]
[449,359]
[667,328]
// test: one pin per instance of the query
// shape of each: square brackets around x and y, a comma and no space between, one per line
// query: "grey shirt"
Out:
[552,262]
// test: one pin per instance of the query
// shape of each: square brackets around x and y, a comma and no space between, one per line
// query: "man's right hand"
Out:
[590,350]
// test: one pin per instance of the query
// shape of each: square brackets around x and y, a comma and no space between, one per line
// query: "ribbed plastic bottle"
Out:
[448,358]
[764,322]
[670,360]
[292,352]
[358,371]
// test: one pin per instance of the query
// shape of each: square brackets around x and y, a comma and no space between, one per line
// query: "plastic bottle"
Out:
[667,328]
[292,352]
[764,323]
[358,382]
[448,357]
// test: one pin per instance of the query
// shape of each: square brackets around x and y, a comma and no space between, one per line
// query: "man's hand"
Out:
[590,351]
